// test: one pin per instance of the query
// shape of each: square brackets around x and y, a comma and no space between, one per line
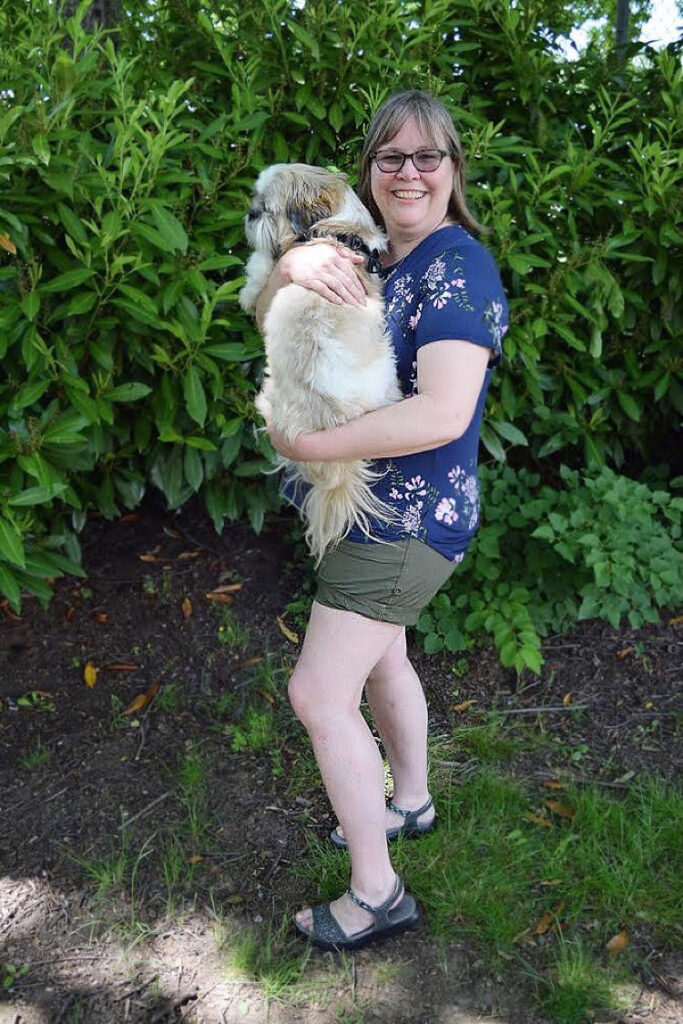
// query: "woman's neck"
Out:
[401,246]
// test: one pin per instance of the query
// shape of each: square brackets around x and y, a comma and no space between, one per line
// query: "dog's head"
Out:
[290,199]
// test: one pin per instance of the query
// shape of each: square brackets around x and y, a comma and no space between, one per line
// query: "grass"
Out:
[35,758]
[488,875]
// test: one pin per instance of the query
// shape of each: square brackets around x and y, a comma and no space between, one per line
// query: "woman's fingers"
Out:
[327,270]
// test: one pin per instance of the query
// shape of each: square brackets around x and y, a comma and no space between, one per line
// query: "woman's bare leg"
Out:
[397,703]
[326,686]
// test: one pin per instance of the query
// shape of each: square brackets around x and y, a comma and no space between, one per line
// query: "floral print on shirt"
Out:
[447,287]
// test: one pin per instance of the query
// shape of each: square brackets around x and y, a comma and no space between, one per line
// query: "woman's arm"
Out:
[450,376]
[324,268]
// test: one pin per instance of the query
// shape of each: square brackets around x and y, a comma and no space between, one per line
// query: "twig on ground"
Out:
[542,708]
[137,990]
[67,956]
[145,810]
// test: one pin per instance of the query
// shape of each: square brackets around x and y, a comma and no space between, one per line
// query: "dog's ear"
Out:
[313,198]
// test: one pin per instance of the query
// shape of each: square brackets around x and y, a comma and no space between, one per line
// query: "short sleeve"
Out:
[461,297]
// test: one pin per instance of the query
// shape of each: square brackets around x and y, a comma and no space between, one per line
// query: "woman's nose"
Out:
[408,170]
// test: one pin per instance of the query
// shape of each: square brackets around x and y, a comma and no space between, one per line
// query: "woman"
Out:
[447,314]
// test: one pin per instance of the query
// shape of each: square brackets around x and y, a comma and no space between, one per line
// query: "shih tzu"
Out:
[325,363]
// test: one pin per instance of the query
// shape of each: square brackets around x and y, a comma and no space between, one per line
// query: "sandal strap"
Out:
[381,912]
[410,816]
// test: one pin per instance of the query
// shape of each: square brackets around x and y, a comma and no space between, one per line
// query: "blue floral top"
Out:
[447,287]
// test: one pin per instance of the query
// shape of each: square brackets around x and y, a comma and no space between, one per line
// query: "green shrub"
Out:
[595,546]
[125,172]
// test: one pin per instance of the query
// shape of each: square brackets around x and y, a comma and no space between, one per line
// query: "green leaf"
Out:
[203,443]
[11,543]
[170,229]
[80,304]
[70,279]
[304,37]
[151,235]
[194,470]
[41,147]
[230,351]
[131,392]
[30,304]
[195,399]
[10,588]
[73,224]
[509,432]
[629,405]
[38,495]
[492,444]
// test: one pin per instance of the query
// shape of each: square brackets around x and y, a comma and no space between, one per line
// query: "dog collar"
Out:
[356,243]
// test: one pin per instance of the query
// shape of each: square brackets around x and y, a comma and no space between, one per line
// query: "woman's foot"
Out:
[351,921]
[395,821]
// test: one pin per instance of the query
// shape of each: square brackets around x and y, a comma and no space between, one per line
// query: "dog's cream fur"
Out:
[325,363]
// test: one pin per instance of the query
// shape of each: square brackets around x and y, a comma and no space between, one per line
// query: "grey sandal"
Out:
[410,828]
[327,933]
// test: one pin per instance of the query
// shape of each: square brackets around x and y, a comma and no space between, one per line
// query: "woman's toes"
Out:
[305,919]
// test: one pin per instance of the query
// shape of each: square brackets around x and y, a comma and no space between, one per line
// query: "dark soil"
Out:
[79,780]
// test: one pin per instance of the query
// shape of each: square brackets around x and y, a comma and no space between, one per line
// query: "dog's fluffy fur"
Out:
[325,363]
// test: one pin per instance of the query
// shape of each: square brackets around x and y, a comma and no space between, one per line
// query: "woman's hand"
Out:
[326,269]
[295,450]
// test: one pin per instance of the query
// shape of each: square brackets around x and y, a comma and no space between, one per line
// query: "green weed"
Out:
[36,757]
[232,633]
[169,698]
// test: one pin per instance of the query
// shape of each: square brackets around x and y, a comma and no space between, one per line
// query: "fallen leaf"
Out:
[561,809]
[120,666]
[618,943]
[568,698]
[227,588]
[546,922]
[676,621]
[195,858]
[219,598]
[7,611]
[464,706]
[90,674]
[130,517]
[286,631]
[150,558]
[538,820]
[188,554]
[553,784]
[266,696]
[249,661]
[186,607]
[170,532]
[101,617]
[623,652]
[70,612]
[235,898]
[8,245]
[550,882]
[140,702]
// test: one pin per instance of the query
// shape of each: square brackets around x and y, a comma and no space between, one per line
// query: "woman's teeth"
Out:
[408,195]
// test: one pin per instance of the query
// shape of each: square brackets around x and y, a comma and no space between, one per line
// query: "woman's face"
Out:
[412,203]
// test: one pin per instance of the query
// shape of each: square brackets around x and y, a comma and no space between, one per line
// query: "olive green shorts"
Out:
[387,582]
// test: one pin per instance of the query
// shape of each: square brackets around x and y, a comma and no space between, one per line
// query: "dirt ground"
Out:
[77,777]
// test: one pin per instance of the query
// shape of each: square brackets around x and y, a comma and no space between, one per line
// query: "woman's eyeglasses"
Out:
[424,160]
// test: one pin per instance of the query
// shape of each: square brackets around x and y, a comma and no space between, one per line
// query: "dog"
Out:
[325,363]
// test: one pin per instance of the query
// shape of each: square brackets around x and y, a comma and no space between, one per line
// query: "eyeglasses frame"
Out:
[409,156]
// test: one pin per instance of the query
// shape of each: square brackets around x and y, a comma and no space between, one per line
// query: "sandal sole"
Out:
[410,921]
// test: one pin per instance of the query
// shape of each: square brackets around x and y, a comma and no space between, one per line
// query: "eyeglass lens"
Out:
[423,160]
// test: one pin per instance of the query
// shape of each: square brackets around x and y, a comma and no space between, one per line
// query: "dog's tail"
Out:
[339,497]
